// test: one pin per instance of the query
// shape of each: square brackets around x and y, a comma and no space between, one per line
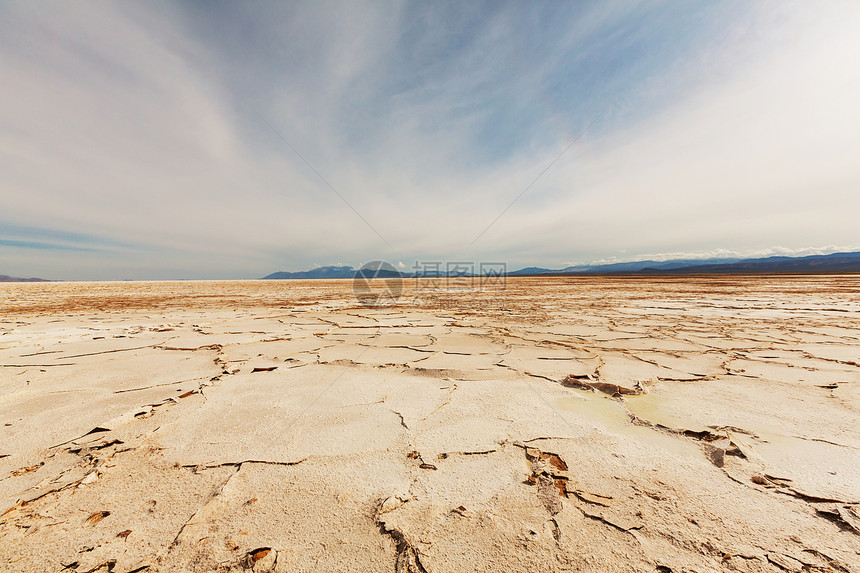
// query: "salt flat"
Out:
[553,424]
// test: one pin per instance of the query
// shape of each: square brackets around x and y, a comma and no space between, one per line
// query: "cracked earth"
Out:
[580,424]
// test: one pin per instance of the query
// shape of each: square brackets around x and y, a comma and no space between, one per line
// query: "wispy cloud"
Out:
[45,238]
[40,245]
[134,128]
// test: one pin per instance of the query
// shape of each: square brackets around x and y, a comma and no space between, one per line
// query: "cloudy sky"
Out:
[229,140]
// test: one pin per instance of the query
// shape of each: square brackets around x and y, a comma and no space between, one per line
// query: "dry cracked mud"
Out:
[560,424]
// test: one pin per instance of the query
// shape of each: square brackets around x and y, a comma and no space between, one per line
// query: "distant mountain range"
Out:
[335,273]
[632,266]
[833,263]
[8,279]
[318,273]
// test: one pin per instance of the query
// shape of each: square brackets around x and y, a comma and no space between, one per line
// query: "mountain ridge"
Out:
[8,279]
[847,262]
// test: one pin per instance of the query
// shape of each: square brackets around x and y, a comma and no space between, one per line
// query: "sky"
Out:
[170,140]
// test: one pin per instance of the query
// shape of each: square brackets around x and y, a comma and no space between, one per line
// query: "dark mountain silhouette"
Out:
[8,279]
[833,263]
[531,271]
[318,273]
[630,266]
[634,266]
[335,273]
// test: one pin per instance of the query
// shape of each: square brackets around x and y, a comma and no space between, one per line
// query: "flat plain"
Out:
[544,424]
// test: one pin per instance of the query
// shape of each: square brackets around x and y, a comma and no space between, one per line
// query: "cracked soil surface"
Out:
[553,424]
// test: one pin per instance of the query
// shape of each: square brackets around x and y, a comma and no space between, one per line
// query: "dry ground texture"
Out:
[558,424]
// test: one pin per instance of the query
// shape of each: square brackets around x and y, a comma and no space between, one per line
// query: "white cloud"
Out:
[137,123]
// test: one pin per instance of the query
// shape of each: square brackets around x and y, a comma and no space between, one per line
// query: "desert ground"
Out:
[541,424]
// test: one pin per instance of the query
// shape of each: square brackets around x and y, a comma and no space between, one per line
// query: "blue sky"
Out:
[191,139]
